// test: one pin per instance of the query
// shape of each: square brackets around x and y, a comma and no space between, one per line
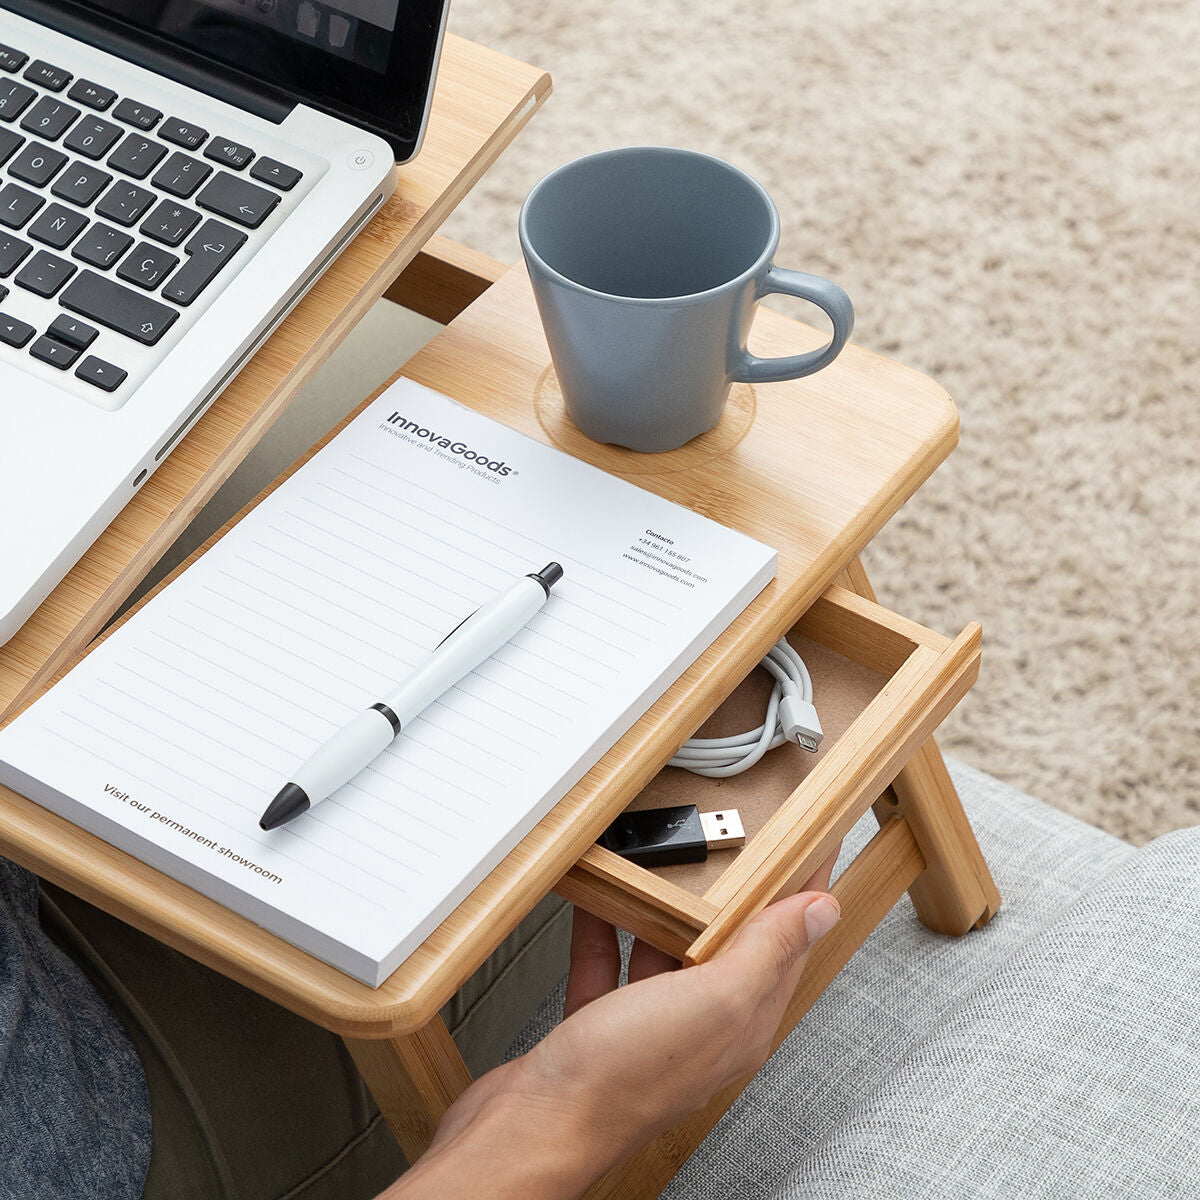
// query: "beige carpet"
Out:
[1011,195]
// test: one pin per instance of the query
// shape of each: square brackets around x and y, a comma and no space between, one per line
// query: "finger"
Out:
[646,960]
[821,877]
[772,948]
[595,961]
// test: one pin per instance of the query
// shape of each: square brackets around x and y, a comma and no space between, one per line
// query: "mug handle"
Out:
[825,295]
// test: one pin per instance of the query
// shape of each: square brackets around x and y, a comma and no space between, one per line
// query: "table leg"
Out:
[414,1079]
[955,892]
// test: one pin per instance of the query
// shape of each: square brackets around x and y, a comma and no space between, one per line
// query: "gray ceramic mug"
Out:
[647,264]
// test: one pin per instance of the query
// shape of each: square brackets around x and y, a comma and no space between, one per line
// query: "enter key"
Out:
[211,247]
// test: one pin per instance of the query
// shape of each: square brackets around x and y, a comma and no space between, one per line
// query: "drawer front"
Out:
[886,683]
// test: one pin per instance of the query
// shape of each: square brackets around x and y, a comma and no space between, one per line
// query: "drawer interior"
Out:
[881,684]
[842,689]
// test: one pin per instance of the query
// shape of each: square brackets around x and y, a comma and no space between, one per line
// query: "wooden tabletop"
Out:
[814,468]
[481,100]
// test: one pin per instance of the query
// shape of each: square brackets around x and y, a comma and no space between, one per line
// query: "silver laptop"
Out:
[174,175]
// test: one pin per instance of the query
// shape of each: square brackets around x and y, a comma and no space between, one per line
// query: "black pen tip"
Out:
[291,802]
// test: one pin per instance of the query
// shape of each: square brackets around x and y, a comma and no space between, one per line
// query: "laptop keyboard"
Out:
[121,214]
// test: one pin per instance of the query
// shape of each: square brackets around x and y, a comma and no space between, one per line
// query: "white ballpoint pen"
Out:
[358,744]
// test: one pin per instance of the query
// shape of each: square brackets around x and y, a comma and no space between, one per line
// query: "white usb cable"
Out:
[791,717]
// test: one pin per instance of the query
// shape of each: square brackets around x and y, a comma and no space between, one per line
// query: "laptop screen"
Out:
[370,61]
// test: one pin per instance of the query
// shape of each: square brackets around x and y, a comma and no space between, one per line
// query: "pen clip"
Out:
[455,629]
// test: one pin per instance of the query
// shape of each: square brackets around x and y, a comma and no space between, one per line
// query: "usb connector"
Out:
[658,837]
[723,830]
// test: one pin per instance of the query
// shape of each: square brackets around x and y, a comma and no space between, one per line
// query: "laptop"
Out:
[174,175]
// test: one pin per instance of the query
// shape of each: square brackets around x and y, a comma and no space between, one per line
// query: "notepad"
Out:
[171,736]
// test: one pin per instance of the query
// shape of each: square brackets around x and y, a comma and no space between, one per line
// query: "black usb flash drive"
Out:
[658,837]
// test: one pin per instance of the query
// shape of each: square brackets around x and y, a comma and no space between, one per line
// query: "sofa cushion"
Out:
[1070,1071]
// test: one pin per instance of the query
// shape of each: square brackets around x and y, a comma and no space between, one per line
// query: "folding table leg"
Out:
[955,892]
[414,1078]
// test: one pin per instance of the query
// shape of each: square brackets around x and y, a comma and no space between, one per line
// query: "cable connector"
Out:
[800,723]
[723,830]
[660,837]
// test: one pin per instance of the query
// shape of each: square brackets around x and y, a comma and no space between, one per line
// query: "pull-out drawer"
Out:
[882,684]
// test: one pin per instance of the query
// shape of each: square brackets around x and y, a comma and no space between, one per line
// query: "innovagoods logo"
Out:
[453,447]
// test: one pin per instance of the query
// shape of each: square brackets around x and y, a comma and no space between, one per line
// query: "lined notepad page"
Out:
[173,735]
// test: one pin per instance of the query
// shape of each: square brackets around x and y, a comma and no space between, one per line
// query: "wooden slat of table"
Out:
[822,466]
[481,101]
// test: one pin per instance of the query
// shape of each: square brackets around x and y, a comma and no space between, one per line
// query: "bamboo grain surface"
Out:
[814,468]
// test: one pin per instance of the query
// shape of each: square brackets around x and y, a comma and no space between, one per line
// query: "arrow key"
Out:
[74,333]
[57,354]
[100,374]
[240,201]
[13,332]
[208,251]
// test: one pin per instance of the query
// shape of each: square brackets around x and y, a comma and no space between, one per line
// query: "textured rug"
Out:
[1011,195]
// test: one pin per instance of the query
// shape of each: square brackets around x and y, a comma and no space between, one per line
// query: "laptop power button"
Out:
[360,160]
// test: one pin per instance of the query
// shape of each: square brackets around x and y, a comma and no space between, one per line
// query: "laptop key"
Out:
[44,274]
[116,307]
[92,137]
[137,156]
[169,223]
[269,170]
[12,253]
[147,266]
[141,116]
[181,175]
[37,164]
[3,293]
[84,91]
[72,331]
[229,153]
[102,374]
[58,226]
[51,77]
[123,203]
[101,246]
[246,203]
[190,137]
[49,118]
[15,98]
[17,205]
[13,332]
[80,184]
[9,143]
[12,60]
[208,251]
[57,354]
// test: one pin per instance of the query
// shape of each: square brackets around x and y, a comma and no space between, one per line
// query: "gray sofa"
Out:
[1054,1053]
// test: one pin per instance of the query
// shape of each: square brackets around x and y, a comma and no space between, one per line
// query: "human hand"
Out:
[626,1065]
[596,953]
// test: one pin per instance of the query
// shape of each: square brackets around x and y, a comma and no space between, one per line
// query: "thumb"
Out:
[776,942]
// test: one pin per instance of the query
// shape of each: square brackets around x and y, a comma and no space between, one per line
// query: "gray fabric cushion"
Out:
[899,985]
[1071,1071]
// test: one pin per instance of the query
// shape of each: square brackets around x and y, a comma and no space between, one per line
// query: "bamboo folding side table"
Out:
[813,468]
